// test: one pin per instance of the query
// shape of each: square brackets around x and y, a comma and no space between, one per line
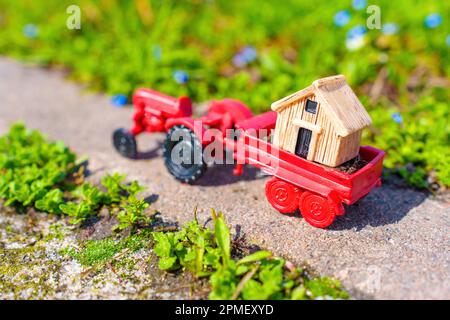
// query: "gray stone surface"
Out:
[393,244]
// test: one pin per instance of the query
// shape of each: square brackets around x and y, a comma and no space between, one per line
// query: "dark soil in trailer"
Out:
[352,165]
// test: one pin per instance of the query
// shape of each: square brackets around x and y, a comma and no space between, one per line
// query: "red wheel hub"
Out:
[318,211]
[282,195]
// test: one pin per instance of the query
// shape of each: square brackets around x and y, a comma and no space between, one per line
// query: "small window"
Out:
[311,106]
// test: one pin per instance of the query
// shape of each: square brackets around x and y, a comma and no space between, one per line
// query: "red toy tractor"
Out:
[317,190]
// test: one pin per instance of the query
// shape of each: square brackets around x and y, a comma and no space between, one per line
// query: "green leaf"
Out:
[134,188]
[242,269]
[253,290]
[167,263]
[299,293]
[257,256]
[222,235]
[51,201]
[163,246]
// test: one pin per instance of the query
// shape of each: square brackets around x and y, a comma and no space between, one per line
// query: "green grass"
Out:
[126,44]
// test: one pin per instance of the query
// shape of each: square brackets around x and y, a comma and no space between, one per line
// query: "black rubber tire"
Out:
[125,143]
[189,172]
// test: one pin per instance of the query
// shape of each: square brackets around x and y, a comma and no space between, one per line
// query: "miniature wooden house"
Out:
[322,123]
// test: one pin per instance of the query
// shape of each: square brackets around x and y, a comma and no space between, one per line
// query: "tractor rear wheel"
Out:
[125,143]
[282,195]
[317,210]
[183,154]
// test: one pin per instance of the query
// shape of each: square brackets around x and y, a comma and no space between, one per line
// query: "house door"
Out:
[303,141]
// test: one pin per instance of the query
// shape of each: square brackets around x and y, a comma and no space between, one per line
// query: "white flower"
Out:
[355,43]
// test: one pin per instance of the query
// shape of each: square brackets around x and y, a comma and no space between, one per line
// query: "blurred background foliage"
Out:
[260,51]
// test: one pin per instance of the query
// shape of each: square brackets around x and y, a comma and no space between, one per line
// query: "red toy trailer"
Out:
[317,190]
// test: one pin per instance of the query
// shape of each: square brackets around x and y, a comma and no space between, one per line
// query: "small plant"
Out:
[131,208]
[192,248]
[255,276]
[32,169]
[132,213]
[115,188]
[90,200]
[42,174]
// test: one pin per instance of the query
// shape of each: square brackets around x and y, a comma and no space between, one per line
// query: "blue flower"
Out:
[30,31]
[433,20]
[249,54]
[359,4]
[119,100]
[341,18]
[157,52]
[245,56]
[447,40]
[397,117]
[180,76]
[356,32]
[239,60]
[390,28]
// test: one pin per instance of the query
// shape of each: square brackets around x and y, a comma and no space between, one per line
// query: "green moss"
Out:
[94,252]
[326,287]
[25,272]
[56,231]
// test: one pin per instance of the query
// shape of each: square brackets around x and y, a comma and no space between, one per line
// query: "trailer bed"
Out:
[309,175]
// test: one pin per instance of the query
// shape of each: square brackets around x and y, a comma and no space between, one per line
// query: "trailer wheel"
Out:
[318,211]
[183,154]
[282,195]
[125,143]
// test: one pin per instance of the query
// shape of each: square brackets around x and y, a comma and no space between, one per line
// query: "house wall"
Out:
[328,142]
[285,131]
[326,146]
[348,148]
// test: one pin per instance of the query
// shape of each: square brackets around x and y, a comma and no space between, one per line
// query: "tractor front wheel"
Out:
[183,154]
[125,143]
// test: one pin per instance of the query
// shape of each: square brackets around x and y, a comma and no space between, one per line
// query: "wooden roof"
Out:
[337,99]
